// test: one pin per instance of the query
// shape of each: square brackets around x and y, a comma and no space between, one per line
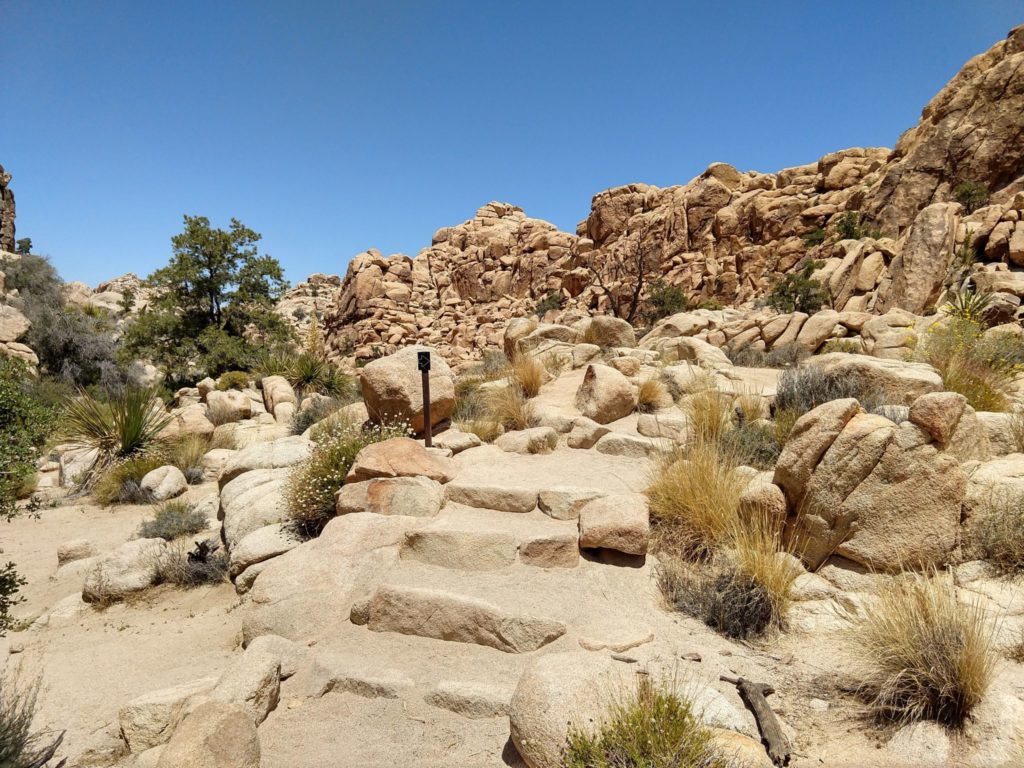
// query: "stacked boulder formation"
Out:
[726,236]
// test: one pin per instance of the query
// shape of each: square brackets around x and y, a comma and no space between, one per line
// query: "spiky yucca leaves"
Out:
[968,305]
[128,424]
[925,655]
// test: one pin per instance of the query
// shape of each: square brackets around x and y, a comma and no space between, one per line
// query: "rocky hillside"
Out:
[886,224]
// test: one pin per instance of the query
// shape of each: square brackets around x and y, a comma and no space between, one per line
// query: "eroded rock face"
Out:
[883,495]
[7,212]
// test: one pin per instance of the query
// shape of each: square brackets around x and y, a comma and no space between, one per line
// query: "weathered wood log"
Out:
[755,695]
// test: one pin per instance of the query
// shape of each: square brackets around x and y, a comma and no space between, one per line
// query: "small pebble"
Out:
[818,705]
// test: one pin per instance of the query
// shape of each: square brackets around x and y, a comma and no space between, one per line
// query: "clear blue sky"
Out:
[331,127]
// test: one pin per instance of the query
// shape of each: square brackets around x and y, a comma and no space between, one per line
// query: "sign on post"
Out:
[423,363]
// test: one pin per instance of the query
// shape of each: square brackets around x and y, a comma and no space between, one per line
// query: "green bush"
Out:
[233,380]
[73,343]
[753,444]
[798,291]
[19,746]
[311,486]
[815,237]
[971,195]
[981,368]
[554,300]
[969,306]
[652,728]
[664,300]
[310,374]
[11,583]
[24,427]
[121,481]
[314,413]
[172,520]
[850,226]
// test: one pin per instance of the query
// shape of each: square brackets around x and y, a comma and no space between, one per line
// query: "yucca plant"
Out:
[968,305]
[129,423]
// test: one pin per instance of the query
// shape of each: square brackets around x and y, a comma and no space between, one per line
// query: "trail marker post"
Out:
[423,363]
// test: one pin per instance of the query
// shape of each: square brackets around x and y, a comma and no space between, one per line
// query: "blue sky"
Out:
[333,127]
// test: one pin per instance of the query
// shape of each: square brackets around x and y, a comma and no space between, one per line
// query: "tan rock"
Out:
[399,457]
[620,522]
[214,735]
[605,395]
[393,391]
[411,496]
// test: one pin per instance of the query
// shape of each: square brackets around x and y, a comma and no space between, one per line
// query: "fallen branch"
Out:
[755,695]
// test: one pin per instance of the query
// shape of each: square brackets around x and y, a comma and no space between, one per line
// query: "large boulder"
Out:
[605,395]
[253,682]
[13,324]
[399,457]
[620,522]
[228,406]
[280,453]
[606,331]
[556,692]
[277,391]
[393,389]
[922,264]
[898,381]
[130,568]
[215,735]
[148,720]
[164,483]
[882,495]
[251,501]
[410,496]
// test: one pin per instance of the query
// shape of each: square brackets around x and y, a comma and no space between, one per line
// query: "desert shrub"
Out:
[24,426]
[309,492]
[979,367]
[11,583]
[851,226]
[493,365]
[925,654]
[127,424]
[488,431]
[798,291]
[803,389]
[997,533]
[553,300]
[469,399]
[73,343]
[664,300]
[528,374]
[753,444]
[314,413]
[972,195]
[544,444]
[19,746]
[846,346]
[233,380]
[968,305]
[651,728]
[743,592]
[694,499]
[652,394]
[120,481]
[173,519]
[966,253]
[815,237]
[175,566]
[783,356]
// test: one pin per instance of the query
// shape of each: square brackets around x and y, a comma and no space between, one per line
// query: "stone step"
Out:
[517,609]
[475,539]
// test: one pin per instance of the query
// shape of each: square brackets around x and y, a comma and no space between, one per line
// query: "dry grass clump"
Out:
[784,356]
[544,444]
[710,413]
[997,533]
[694,500]
[186,453]
[121,482]
[753,444]
[19,747]
[925,655]
[743,592]
[509,407]
[651,395]
[172,520]
[529,374]
[488,431]
[1017,429]
[653,727]
[312,485]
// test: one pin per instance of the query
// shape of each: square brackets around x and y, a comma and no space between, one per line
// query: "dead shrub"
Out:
[19,746]
[172,520]
[710,413]
[178,567]
[924,654]
[508,407]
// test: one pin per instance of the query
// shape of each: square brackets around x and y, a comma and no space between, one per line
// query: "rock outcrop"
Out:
[7,242]
[884,226]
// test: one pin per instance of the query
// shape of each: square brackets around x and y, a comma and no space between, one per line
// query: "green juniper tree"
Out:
[213,305]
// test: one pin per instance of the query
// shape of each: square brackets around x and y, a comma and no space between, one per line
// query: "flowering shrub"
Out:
[312,485]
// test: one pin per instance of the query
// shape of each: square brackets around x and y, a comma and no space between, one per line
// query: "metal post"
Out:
[423,362]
